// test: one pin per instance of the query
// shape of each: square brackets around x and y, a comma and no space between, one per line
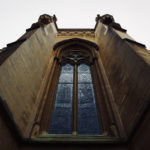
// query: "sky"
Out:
[18,15]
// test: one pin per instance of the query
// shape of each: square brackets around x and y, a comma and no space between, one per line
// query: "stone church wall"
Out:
[128,71]
[22,77]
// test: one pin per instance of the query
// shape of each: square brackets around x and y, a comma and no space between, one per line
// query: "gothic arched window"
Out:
[77,100]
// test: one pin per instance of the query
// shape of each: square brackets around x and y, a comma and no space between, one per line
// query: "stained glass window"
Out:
[61,122]
[87,113]
[87,117]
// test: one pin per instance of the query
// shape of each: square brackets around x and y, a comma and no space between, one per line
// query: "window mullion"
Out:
[75,100]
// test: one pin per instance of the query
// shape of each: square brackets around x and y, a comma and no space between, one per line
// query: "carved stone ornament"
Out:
[45,19]
[107,19]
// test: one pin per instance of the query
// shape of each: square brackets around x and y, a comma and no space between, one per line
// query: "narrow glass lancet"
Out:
[61,122]
[88,122]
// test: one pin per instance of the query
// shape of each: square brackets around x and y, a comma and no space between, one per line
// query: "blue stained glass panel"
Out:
[84,78]
[66,75]
[88,122]
[64,94]
[83,68]
[84,75]
[61,122]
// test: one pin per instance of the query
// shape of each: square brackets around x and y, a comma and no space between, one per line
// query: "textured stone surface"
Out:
[140,140]
[128,71]
[19,85]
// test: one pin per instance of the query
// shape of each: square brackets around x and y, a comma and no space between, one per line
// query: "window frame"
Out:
[110,122]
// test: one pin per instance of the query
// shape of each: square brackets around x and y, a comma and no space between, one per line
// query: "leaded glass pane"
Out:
[66,75]
[85,94]
[64,94]
[84,78]
[61,122]
[83,68]
[84,75]
[87,113]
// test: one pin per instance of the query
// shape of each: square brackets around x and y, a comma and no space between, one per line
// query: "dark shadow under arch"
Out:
[75,40]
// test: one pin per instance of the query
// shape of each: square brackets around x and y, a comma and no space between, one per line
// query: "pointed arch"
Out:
[76,41]
[77,51]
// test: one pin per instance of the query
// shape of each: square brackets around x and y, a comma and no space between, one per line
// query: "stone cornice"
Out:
[76,33]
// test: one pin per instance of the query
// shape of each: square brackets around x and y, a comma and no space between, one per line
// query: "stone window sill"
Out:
[76,139]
